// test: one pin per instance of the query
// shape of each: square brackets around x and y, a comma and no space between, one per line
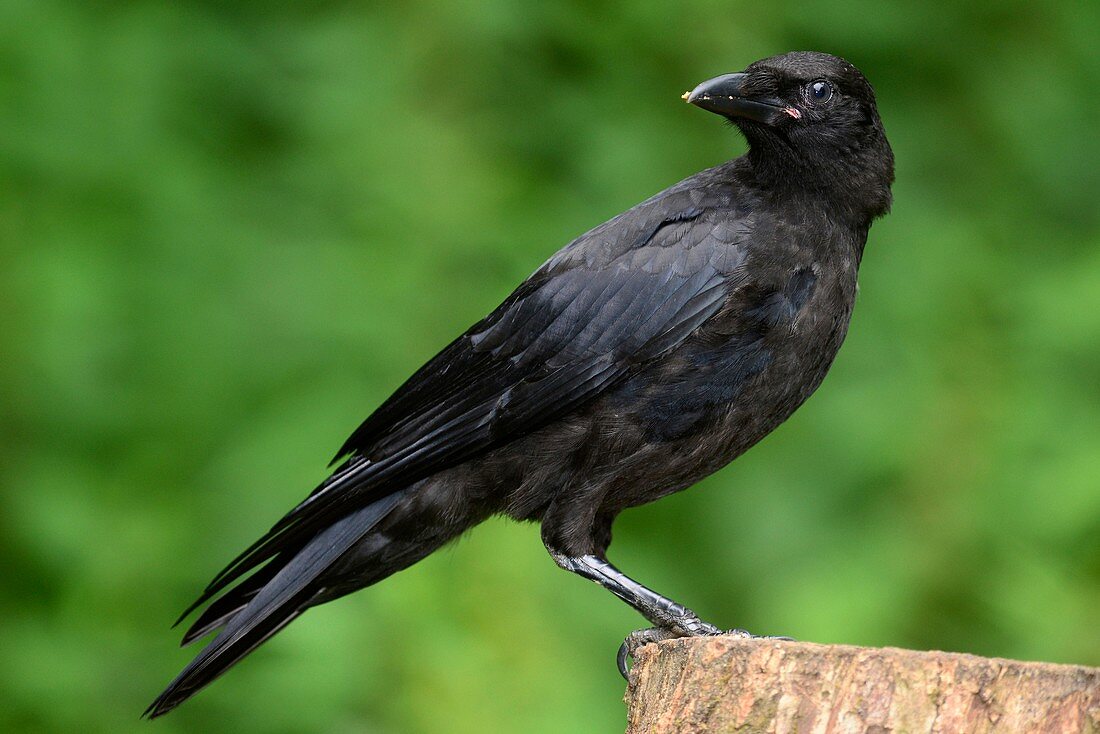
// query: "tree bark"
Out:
[730,684]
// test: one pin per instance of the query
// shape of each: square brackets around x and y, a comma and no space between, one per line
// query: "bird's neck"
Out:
[855,188]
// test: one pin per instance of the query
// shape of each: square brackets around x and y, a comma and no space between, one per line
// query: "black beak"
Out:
[725,95]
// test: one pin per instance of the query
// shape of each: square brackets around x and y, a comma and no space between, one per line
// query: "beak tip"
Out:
[686,96]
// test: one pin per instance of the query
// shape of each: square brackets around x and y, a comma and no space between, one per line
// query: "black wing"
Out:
[616,298]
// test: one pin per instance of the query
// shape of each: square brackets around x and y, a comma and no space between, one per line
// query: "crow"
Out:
[646,354]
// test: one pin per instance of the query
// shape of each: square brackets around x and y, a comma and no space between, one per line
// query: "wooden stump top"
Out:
[729,684]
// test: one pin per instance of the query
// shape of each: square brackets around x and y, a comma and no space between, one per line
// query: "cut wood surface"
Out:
[730,684]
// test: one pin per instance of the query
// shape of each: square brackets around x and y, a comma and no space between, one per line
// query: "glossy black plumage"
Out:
[643,356]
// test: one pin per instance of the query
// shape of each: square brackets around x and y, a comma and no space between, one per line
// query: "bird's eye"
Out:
[819,92]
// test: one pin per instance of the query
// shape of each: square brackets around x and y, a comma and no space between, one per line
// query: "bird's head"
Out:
[811,122]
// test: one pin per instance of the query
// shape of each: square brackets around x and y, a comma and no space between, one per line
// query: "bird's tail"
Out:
[265,602]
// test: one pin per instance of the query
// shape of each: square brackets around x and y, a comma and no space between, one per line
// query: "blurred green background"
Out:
[229,230]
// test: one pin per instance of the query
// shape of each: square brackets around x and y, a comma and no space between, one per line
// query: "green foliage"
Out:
[231,229]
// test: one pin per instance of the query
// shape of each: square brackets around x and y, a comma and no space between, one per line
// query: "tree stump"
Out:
[730,684]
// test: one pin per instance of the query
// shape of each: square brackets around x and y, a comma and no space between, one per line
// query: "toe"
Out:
[636,639]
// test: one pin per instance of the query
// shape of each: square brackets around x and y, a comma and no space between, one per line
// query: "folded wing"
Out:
[602,307]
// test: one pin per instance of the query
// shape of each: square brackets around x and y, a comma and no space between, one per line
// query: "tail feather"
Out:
[211,663]
[226,606]
[287,536]
[252,615]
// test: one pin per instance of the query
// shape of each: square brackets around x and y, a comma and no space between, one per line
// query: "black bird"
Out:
[643,356]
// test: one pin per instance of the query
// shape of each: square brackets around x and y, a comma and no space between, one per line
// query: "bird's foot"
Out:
[637,638]
[686,625]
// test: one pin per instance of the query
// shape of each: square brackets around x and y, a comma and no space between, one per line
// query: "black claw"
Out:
[636,639]
[621,658]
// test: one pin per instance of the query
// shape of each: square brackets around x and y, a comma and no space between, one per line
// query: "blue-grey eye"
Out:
[819,91]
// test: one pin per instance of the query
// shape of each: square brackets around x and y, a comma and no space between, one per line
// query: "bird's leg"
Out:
[577,540]
[660,610]
[670,619]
